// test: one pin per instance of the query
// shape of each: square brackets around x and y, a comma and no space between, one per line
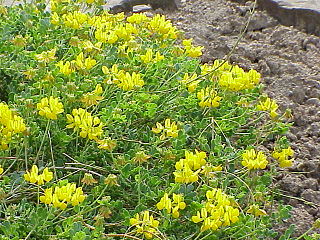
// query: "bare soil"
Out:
[289,61]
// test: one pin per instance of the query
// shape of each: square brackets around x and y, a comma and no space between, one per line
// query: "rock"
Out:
[313,101]
[311,195]
[141,8]
[303,14]
[310,183]
[260,21]
[298,95]
[116,6]
[315,129]
[292,184]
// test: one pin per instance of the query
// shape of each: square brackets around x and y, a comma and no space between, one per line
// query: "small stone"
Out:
[291,136]
[310,183]
[313,101]
[311,195]
[141,8]
[298,95]
[292,184]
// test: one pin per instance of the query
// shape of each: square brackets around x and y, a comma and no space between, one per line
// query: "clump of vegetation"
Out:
[114,129]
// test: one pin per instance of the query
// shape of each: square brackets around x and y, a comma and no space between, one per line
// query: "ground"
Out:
[289,61]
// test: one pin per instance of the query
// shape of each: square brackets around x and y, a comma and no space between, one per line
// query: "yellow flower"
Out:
[168,130]
[62,196]
[190,82]
[75,19]
[93,97]
[55,19]
[208,98]
[173,205]
[47,198]
[256,211]
[107,144]
[83,63]
[1,170]
[50,108]
[128,82]
[137,18]
[268,105]
[65,68]
[283,157]
[188,168]
[209,170]
[10,125]
[148,57]
[234,78]
[177,204]
[145,224]
[35,177]
[217,211]
[89,126]
[46,56]
[254,160]
[191,50]
[165,203]
[158,24]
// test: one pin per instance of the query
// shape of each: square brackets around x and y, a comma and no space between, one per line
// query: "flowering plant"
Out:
[126,133]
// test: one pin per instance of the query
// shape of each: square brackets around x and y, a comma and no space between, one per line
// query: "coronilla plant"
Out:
[112,128]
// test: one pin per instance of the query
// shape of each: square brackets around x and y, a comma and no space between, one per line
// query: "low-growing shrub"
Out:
[113,129]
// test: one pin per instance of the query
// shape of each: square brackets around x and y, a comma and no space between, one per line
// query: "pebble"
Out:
[313,101]
[141,8]
[298,95]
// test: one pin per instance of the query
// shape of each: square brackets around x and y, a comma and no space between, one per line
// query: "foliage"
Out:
[132,135]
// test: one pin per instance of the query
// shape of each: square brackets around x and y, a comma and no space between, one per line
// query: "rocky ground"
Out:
[289,61]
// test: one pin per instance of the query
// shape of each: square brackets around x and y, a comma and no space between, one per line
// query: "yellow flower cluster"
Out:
[173,205]
[191,82]
[158,24]
[137,18]
[10,125]
[208,98]
[122,79]
[35,177]
[270,106]
[188,168]
[75,19]
[80,63]
[145,224]
[66,68]
[170,129]
[283,157]
[231,77]
[149,57]
[1,170]
[62,196]
[107,144]
[218,211]
[83,63]
[191,50]
[93,97]
[110,28]
[254,160]
[46,56]
[50,107]
[88,126]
